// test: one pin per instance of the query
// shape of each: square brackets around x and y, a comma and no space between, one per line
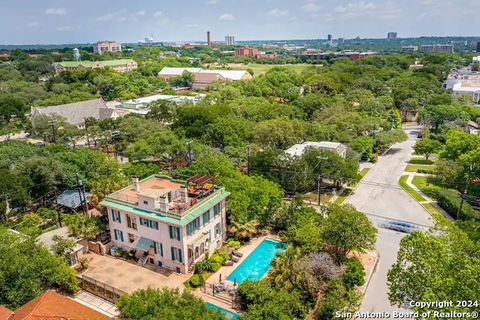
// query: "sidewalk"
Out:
[96,303]
[411,176]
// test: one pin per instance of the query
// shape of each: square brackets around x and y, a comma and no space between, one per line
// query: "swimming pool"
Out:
[257,265]
[228,314]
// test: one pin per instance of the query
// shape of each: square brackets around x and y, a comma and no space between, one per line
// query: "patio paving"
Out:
[129,277]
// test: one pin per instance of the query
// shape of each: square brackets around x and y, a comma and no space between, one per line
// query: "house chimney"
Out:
[136,183]
[209,39]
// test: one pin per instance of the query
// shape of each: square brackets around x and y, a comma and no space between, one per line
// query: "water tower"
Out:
[76,54]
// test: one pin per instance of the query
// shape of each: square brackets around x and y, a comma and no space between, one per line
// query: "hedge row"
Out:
[450,200]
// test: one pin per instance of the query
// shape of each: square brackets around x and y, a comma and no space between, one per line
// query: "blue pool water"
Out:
[257,265]
[228,314]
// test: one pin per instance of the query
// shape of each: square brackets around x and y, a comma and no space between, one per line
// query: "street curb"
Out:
[356,186]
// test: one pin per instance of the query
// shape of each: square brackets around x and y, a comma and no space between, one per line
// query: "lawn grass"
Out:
[343,197]
[419,167]
[421,161]
[409,190]
[423,185]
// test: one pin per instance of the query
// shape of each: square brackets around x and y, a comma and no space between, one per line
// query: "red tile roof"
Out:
[5,313]
[53,306]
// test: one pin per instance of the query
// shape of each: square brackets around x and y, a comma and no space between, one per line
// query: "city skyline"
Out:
[58,22]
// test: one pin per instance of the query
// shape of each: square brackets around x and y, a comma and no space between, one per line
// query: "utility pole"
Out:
[81,189]
[249,150]
[319,176]
[464,193]
[86,132]
[189,152]
[53,124]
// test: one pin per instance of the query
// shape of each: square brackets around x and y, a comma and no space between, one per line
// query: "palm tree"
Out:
[283,273]
[244,231]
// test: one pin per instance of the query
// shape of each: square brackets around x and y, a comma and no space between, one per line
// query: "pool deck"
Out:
[225,271]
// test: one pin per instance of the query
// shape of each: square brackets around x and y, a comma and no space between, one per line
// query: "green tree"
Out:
[164,304]
[28,269]
[63,247]
[427,146]
[436,268]
[346,230]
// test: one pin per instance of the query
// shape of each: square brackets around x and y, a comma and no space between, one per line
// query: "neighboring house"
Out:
[472,90]
[298,150]
[70,200]
[140,105]
[81,247]
[76,113]
[168,223]
[472,127]
[202,79]
[53,306]
[120,65]
[5,313]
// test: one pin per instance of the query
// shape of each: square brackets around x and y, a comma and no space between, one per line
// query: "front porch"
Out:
[197,250]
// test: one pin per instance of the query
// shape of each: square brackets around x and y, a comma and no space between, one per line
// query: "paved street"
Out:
[381,198]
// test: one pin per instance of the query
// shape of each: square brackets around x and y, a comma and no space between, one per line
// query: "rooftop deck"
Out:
[181,195]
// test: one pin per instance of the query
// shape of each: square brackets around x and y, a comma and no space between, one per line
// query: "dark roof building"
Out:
[71,199]
[76,113]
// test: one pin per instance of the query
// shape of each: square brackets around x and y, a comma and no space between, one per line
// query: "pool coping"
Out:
[247,250]
[239,264]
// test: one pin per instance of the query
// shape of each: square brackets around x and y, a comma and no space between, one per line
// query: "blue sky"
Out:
[61,21]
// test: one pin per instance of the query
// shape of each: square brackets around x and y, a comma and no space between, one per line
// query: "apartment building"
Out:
[247,52]
[169,223]
[102,47]
[434,48]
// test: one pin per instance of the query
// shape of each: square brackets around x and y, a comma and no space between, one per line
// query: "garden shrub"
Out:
[196,280]
[355,275]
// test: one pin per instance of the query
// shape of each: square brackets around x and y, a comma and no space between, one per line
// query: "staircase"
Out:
[142,261]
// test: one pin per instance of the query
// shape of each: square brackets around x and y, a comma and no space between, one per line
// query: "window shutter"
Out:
[121,235]
[178,234]
[113,215]
[173,253]
[161,249]
[180,256]
[115,233]
[170,230]
[156,225]
[119,217]
[155,247]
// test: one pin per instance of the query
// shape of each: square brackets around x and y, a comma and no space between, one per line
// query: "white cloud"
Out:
[212,2]
[56,11]
[276,12]
[311,6]
[158,14]
[122,16]
[33,24]
[227,17]
[64,28]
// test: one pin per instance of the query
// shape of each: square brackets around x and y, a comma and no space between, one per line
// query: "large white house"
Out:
[299,149]
[168,223]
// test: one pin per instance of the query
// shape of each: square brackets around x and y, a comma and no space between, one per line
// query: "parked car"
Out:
[401,226]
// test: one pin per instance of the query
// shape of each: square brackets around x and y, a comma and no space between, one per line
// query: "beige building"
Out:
[120,65]
[203,79]
[102,47]
[169,223]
